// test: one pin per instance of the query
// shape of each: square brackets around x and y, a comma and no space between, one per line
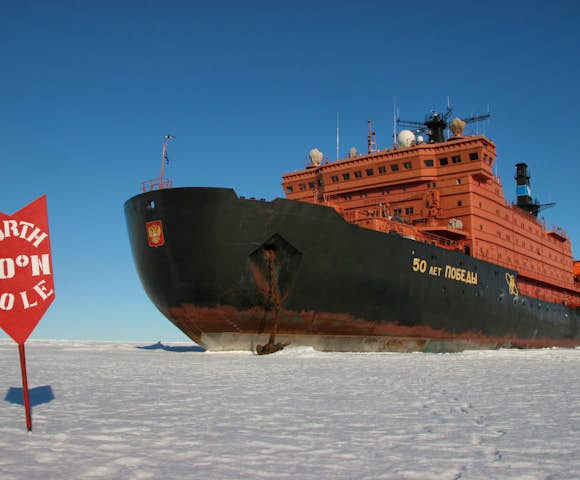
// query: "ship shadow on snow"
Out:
[38,395]
[169,348]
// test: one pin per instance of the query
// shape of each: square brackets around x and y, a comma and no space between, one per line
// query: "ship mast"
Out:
[372,139]
[160,182]
[164,157]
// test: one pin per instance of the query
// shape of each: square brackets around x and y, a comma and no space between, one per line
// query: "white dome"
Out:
[315,156]
[405,138]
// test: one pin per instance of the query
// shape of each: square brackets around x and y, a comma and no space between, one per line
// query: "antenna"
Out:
[449,110]
[395,115]
[372,139]
[337,138]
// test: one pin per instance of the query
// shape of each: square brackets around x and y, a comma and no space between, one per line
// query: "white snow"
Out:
[120,412]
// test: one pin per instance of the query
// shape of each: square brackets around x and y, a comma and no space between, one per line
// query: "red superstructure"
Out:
[445,193]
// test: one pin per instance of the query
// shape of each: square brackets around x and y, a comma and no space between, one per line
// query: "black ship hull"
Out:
[234,273]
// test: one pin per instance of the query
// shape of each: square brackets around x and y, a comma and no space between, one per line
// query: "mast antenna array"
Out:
[435,124]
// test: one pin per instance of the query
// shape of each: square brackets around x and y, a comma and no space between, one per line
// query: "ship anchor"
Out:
[274,300]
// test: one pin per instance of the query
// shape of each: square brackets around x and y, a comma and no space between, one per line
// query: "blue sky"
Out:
[89,89]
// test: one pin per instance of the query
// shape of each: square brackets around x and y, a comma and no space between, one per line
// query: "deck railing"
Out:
[158,183]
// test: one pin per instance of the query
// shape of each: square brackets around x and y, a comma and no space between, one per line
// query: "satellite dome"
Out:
[352,153]
[315,156]
[420,139]
[406,138]
[457,125]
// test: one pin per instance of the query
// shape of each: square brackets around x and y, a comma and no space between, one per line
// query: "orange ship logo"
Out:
[155,233]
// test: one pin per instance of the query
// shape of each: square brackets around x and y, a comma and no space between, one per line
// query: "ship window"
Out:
[302,186]
[459,203]
[407,165]
[394,167]
[443,161]
[397,212]
[382,170]
[346,176]
[334,178]
[320,183]
[473,156]
[458,181]
[290,189]
[311,184]
[428,163]
[357,174]
[455,159]
[370,172]
[409,211]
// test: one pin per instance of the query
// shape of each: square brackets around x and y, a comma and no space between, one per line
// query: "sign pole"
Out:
[25,387]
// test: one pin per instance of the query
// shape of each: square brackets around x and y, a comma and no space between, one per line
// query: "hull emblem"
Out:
[511,282]
[155,233]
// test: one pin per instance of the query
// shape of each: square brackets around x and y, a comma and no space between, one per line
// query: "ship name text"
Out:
[448,271]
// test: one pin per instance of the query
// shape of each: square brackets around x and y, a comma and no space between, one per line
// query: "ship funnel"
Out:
[523,190]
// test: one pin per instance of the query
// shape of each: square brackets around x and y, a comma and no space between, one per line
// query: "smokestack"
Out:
[523,190]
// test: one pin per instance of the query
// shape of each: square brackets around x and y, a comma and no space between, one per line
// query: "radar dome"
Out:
[457,125]
[405,138]
[420,139]
[315,156]
[352,153]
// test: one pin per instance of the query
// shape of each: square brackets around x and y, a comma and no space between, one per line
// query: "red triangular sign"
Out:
[26,278]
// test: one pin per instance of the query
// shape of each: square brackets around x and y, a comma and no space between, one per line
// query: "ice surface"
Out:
[120,412]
